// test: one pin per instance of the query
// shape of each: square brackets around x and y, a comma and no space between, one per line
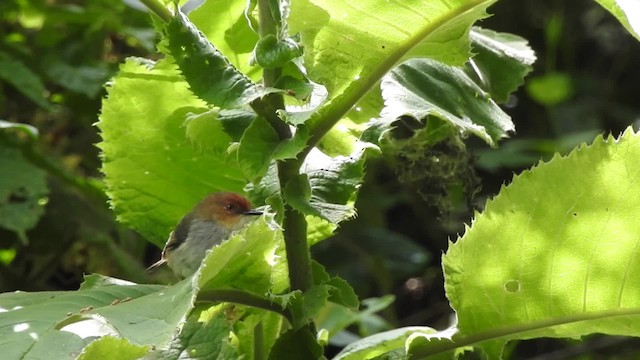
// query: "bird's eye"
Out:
[229,207]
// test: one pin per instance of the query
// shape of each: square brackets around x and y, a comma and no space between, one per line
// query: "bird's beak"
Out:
[252,212]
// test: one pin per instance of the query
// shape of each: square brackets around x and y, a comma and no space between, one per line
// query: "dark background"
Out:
[584,83]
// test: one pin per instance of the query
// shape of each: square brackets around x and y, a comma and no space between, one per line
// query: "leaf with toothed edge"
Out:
[146,149]
[210,75]
[328,186]
[424,87]
[563,243]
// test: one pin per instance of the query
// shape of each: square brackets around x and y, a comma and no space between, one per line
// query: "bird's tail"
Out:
[156,264]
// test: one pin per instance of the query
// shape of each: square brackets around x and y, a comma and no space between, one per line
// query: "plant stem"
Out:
[295,225]
[157,8]
[244,298]
[258,342]
[295,235]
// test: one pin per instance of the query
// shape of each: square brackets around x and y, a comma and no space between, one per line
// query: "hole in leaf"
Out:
[512,286]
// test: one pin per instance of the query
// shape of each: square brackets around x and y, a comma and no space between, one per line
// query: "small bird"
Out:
[210,222]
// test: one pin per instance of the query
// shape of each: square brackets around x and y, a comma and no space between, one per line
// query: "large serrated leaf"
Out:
[144,314]
[361,40]
[349,46]
[251,260]
[209,73]
[561,250]
[627,12]
[154,172]
[423,87]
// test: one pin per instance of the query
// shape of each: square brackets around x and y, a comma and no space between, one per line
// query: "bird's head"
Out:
[229,210]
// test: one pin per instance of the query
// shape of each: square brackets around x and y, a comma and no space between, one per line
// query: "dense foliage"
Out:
[303,105]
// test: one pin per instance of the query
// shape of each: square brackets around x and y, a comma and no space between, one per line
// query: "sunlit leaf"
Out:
[154,172]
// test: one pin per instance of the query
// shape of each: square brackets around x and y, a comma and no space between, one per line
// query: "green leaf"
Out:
[296,344]
[306,306]
[200,338]
[350,46]
[550,89]
[154,174]
[23,192]
[336,318]
[108,346]
[318,229]
[297,193]
[257,323]
[27,129]
[251,260]
[341,293]
[362,40]
[290,148]
[34,324]
[563,245]
[335,183]
[23,79]
[424,87]
[260,145]
[210,75]
[224,23]
[501,62]
[95,281]
[271,52]
[381,343]
[207,132]
[84,79]
[627,12]
[257,145]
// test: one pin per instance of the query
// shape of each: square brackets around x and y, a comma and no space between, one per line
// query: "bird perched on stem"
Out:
[210,222]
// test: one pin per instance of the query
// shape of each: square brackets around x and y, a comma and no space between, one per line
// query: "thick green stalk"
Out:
[295,225]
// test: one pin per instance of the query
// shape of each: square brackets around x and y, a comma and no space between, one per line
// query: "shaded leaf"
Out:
[84,79]
[206,338]
[271,52]
[501,61]
[378,344]
[23,192]
[27,129]
[296,344]
[257,145]
[23,79]
[210,75]
[423,87]
[627,12]
[334,183]
[31,323]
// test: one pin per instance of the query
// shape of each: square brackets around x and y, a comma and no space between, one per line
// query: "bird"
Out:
[210,222]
